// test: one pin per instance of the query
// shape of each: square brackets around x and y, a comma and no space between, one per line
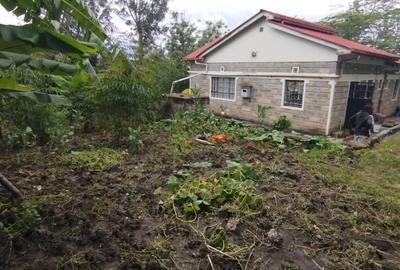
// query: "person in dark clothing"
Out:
[362,123]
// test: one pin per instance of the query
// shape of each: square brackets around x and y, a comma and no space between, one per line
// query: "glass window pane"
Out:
[223,87]
[293,95]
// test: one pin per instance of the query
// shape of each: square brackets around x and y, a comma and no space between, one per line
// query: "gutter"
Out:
[201,63]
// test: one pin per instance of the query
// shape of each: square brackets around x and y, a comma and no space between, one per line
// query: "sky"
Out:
[233,12]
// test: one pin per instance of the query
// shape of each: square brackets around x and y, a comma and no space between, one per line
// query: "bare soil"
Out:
[111,219]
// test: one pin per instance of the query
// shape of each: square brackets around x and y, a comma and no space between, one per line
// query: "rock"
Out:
[232,224]
[274,236]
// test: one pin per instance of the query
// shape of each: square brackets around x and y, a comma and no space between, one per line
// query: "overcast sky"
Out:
[234,12]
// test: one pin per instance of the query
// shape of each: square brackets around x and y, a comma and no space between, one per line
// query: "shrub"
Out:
[123,102]
[282,124]
[26,122]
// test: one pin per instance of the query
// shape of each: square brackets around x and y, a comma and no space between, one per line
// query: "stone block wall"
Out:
[339,105]
[285,67]
[388,105]
[268,91]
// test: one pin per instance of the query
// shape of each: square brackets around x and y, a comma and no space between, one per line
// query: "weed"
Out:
[282,124]
[97,160]
[262,112]
[234,185]
[19,219]
[135,138]
[178,144]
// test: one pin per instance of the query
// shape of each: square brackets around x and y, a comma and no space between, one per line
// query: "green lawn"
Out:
[373,171]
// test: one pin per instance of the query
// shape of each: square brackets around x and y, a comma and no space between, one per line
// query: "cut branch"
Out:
[7,184]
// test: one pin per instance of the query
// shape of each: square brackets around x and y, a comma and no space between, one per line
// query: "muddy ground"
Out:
[111,219]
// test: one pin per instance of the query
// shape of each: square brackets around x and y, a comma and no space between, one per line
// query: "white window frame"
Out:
[296,69]
[224,99]
[396,88]
[283,94]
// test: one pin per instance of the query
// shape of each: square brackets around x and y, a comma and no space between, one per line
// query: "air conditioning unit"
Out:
[246,92]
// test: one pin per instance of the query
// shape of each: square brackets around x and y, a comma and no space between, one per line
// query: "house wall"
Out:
[371,68]
[268,91]
[388,105]
[317,67]
[339,105]
[270,45]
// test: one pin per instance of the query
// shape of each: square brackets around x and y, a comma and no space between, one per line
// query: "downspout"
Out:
[200,63]
[331,98]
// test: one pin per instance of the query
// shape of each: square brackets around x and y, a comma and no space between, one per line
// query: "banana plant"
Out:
[32,10]
[26,44]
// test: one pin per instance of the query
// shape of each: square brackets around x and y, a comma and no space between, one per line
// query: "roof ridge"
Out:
[301,22]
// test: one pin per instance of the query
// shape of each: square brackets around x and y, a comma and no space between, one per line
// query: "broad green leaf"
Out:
[36,63]
[10,85]
[37,96]
[9,5]
[29,38]
[84,16]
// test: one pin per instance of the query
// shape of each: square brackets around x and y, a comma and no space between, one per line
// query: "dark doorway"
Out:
[360,94]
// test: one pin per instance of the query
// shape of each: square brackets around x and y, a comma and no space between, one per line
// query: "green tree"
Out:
[145,17]
[103,10]
[211,31]
[372,22]
[181,38]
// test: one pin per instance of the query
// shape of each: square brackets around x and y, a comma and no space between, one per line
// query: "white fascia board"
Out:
[238,30]
[339,49]
[265,74]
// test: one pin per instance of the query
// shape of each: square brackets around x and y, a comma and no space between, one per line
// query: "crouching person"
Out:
[362,123]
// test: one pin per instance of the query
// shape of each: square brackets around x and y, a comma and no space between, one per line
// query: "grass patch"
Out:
[375,172]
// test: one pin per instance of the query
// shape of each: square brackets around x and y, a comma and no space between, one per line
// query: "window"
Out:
[223,88]
[295,69]
[361,90]
[396,89]
[293,94]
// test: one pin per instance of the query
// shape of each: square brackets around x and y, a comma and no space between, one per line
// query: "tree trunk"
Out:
[10,186]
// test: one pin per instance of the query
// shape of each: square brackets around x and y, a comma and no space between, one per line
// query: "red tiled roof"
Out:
[195,54]
[314,30]
[301,23]
[348,44]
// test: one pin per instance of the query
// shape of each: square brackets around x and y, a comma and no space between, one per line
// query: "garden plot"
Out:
[254,202]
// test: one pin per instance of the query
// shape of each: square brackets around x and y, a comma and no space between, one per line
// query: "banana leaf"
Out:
[30,38]
[42,64]
[54,9]
[12,89]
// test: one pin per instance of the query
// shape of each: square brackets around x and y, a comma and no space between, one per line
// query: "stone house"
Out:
[299,69]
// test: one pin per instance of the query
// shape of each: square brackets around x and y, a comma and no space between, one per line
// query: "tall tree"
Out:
[103,10]
[372,22]
[181,38]
[145,17]
[211,31]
